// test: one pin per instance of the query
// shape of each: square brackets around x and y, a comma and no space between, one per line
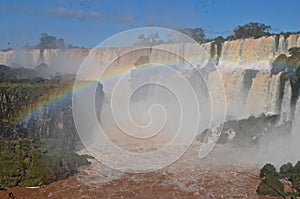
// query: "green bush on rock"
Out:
[25,162]
[271,180]
[268,170]
[270,186]
[37,142]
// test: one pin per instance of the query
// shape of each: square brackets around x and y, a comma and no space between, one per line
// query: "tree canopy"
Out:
[151,39]
[50,42]
[252,29]
[195,33]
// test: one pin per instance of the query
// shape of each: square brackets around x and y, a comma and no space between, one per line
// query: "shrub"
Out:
[268,170]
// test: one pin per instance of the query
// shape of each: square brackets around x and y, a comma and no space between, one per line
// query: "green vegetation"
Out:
[252,29]
[268,170]
[247,132]
[290,65]
[218,42]
[271,181]
[19,99]
[50,42]
[270,186]
[196,34]
[33,161]
[36,142]
[279,64]
[151,39]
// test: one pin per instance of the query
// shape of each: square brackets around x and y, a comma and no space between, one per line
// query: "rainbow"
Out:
[65,91]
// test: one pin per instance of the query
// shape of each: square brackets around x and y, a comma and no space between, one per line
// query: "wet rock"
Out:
[247,131]
[37,142]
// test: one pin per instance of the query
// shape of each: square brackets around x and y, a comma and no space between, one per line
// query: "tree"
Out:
[286,169]
[195,33]
[268,170]
[151,39]
[252,29]
[279,64]
[47,42]
[60,43]
[50,42]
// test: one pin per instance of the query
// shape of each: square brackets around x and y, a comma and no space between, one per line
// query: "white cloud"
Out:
[82,15]
[62,12]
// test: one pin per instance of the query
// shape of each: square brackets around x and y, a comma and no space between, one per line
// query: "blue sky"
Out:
[88,22]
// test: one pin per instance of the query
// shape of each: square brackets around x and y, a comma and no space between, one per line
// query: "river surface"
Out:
[216,176]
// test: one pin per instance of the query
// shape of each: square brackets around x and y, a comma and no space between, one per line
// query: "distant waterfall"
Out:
[243,53]
[293,41]
[248,53]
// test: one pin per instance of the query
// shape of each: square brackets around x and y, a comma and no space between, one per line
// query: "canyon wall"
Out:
[246,53]
[41,110]
[37,134]
[69,60]
[256,53]
[244,65]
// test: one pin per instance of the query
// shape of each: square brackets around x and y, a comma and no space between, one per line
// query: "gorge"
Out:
[253,94]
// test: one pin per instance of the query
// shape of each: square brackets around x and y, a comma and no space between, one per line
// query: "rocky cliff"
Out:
[37,133]
[43,110]
[246,53]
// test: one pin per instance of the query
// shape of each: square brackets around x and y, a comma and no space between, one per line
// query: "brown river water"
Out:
[216,176]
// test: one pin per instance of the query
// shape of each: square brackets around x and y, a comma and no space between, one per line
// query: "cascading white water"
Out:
[245,53]
[248,53]
[296,121]
[235,92]
[273,97]
[293,41]
[286,112]
[257,96]
[264,94]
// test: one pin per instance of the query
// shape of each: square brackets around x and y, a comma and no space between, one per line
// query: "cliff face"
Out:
[248,92]
[246,53]
[41,110]
[244,66]
[37,133]
[23,113]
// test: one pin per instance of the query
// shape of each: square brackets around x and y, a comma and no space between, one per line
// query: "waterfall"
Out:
[293,41]
[217,95]
[286,114]
[6,57]
[243,53]
[257,96]
[274,94]
[248,53]
[234,89]
[265,94]
[282,46]
[236,84]
[296,122]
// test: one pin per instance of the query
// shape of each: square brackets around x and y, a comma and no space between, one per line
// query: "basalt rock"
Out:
[246,132]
